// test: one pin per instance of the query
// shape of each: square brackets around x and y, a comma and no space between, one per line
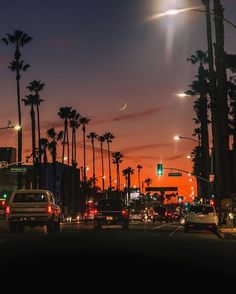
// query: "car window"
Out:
[201,209]
[110,205]
[29,197]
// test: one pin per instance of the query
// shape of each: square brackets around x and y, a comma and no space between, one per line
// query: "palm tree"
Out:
[127,173]
[74,124]
[139,167]
[108,137]
[30,100]
[35,87]
[52,147]
[66,113]
[148,181]
[18,39]
[92,136]
[199,87]
[117,159]
[84,121]
[44,146]
[101,139]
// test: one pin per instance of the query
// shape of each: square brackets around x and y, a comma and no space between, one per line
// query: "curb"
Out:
[220,234]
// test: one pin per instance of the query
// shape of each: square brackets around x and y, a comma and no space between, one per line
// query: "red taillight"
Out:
[95,211]
[124,212]
[7,209]
[49,209]
[3,202]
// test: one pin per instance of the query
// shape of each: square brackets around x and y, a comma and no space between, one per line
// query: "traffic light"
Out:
[159,169]
[4,195]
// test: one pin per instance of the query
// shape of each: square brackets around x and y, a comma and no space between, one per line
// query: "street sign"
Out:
[174,174]
[18,169]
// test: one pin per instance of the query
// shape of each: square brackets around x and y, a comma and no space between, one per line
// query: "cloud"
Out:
[144,147]
[149,112]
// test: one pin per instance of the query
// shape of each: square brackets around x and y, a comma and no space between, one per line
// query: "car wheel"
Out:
[214,230]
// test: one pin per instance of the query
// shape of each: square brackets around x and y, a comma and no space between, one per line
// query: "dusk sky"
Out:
[97,55]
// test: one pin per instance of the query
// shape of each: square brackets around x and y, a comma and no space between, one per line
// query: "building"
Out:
[8,154]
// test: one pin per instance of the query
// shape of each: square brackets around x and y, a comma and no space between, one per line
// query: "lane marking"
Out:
[158,227]
[175,231]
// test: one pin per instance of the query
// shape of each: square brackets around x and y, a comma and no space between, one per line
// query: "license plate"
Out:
[109,218]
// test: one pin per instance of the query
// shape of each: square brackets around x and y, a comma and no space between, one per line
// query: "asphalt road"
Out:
[149,251]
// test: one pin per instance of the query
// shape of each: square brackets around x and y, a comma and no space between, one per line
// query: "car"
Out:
[135,215]
[89,214]
[111,212]
[32,208]
[159,213]
[201,216]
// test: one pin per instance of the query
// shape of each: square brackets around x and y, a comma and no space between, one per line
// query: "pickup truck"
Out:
[32,208]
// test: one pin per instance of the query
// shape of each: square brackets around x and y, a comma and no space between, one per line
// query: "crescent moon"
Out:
[123,107]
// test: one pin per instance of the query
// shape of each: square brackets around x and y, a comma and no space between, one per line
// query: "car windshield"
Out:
[110,205]
[29,197]
[201,209]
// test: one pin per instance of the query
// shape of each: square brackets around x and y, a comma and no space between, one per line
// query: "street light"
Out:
[172,12]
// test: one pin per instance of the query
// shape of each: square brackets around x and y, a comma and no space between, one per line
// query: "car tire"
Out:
[214,230]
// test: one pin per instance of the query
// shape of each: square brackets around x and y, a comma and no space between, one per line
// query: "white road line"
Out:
[158,227]
[172,233]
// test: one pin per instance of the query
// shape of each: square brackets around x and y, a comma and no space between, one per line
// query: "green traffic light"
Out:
[5,195]
[159,169]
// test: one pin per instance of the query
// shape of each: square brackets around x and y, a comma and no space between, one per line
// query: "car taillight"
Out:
[49,209]
[7,209]
[3,202]
[124,212]
[95,211]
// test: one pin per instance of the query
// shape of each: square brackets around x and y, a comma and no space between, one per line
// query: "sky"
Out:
[97,56]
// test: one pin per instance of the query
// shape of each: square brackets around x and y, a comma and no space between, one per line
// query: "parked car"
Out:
[32,208]
[201,216]
[111,212]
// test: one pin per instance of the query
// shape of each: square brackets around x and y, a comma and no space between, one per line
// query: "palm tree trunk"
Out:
[19,155]
[84,171]
[109,164]
[39,149]
[45,162]
[117,176]
[54,172]
[213,96]
[68,147]
[93,164]
[139,182]
[222,106]
[32,114]
[103,180]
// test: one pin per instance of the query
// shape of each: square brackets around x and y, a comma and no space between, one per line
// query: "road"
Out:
[155,250]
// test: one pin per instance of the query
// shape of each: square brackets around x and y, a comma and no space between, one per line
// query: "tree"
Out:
[199,87]
[127,173]
[66,113]
[18,39]
[108,137]
[101,139]
[30,100]
[54,138]
[139,167]
[84,121]
[92,136]
[44,146]
[117,159]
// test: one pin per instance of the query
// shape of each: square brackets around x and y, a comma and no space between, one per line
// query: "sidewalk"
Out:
[227,232]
